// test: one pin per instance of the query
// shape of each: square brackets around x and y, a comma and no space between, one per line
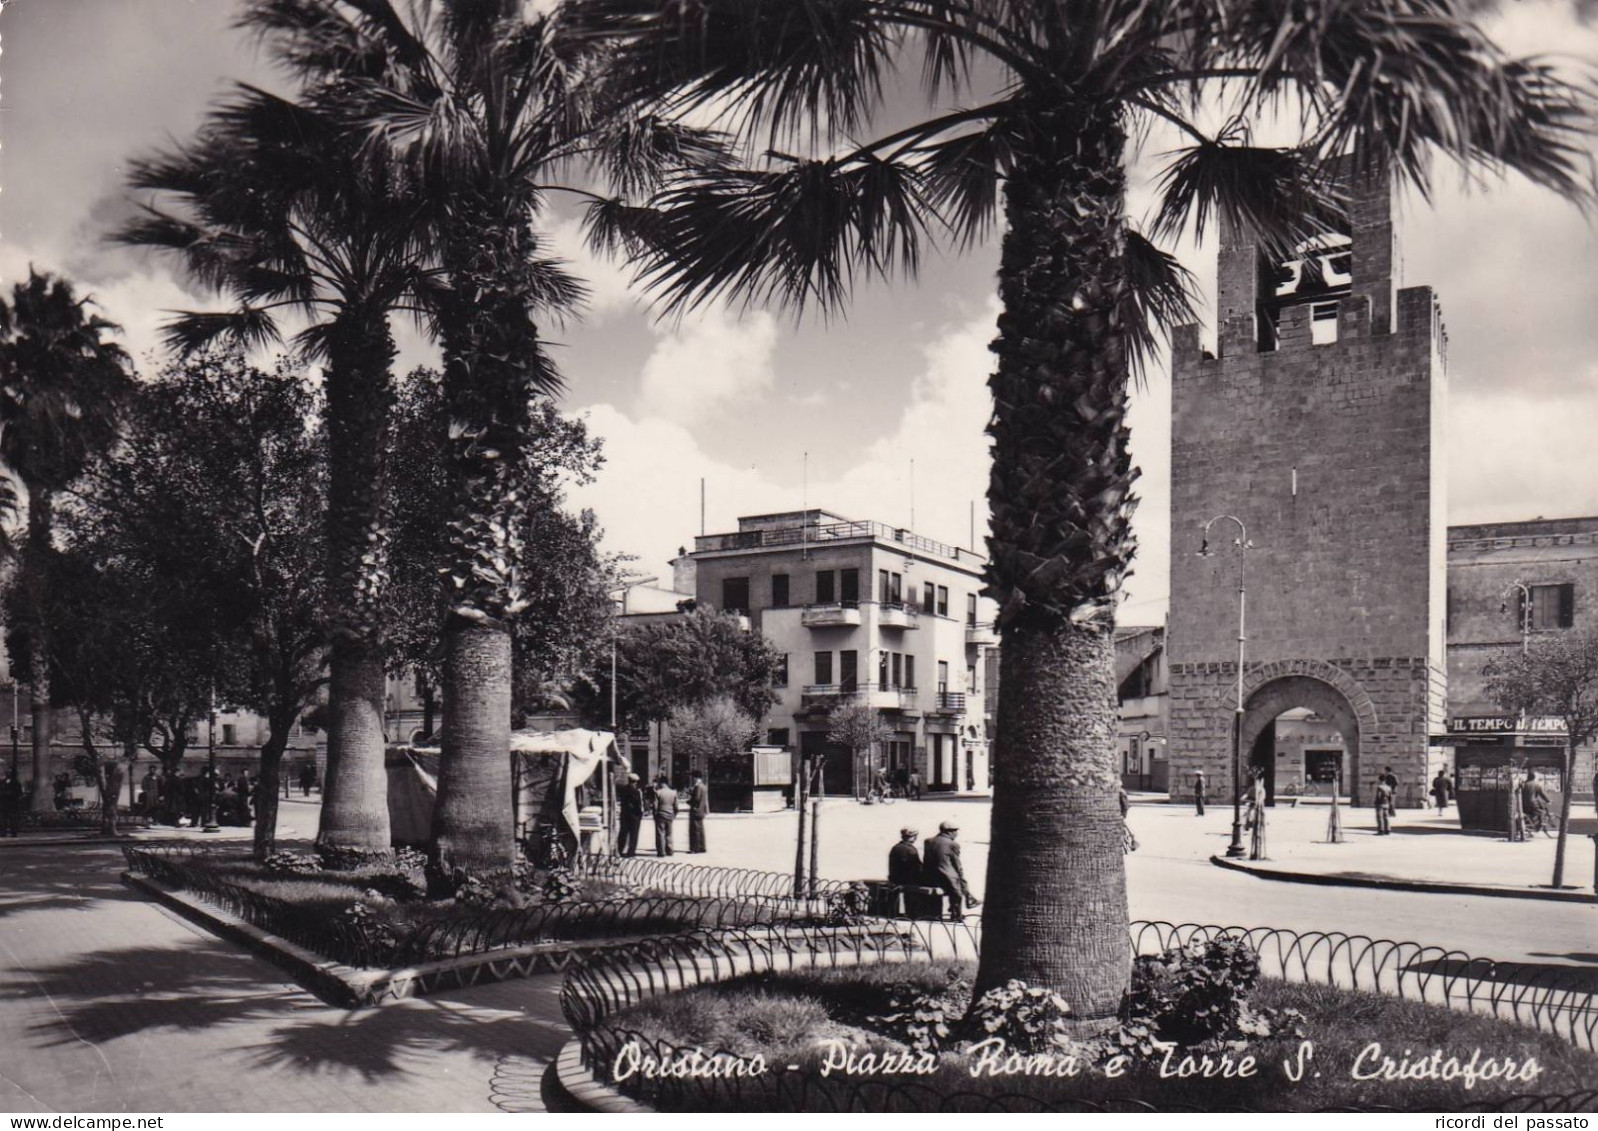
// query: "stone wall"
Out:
[1326,453]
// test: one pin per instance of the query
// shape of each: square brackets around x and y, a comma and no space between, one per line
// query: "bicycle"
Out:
[1542,820]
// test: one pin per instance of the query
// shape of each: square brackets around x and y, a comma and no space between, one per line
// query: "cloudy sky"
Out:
[877,416]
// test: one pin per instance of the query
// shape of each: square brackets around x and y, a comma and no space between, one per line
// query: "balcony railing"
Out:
[897,614]
[830,532]
[830,613]
[981,633]
[950,702]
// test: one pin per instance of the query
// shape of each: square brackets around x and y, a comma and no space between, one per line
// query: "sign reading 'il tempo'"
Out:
[1505,724]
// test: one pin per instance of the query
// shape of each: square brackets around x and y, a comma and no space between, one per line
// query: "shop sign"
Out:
[1505,724]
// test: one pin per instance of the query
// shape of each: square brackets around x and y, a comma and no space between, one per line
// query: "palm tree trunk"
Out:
[491,376]
[360,400]
[36,575]
[473,826]
[1056,911]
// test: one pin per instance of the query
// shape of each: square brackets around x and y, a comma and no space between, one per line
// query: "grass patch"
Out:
[785,1017]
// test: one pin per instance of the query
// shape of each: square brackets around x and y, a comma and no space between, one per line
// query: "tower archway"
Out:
[1330,705]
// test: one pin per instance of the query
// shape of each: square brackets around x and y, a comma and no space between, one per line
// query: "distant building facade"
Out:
[867,613]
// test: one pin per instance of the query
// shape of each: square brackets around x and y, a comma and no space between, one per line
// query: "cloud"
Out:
[710,364]
[609,284]
[1515,458]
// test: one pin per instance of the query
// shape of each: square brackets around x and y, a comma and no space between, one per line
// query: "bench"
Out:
[894,901]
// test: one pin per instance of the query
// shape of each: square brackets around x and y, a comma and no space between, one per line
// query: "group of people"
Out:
[937,865]
[661,802]
[180,800]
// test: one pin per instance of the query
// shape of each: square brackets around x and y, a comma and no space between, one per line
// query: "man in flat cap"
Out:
[904,862]
[630,804]
[940,868]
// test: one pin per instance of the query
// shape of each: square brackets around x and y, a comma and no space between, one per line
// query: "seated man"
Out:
[942,869]
[904,862]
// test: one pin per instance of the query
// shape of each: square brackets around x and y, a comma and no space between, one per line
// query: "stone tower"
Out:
[1320,426]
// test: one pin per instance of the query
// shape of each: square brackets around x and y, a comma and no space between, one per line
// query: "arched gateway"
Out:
[1315,427]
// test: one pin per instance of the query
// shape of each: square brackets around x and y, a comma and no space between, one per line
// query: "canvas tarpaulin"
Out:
[548,769]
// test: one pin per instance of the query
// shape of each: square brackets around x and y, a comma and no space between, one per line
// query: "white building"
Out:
[868,613]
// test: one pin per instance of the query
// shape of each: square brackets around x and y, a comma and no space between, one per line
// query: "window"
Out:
[824,667]
[971,609]
[910,672]
[928,598]
[851,586]
[882,586]
[230,734]
[943,677]
[848,670]
[779,590]
[943,601]
[971,679]
[882,672]
[777,736]
[1552,606]
[898,669]
[826,586]
[896,588]
[779,676]
[735,595]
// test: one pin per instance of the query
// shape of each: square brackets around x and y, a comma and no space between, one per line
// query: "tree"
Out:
[858,728]
[62,382]
[566,626]
[678,665]
[1082,292]
[277,207]
[1555,675]
[714,731]
[484,102]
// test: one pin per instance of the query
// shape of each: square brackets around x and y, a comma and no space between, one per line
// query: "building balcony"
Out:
[896,614]
[832,615]
[981,634]
[949,703]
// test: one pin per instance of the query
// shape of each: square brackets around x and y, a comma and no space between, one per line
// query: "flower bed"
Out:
[868,1038]
[375,914]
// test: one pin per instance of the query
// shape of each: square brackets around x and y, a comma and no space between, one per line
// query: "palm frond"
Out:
[1281,195]
[1397,81]
[193,330]
[797,234]
[1160,295]
[788,64]
[615,226]
[963,174]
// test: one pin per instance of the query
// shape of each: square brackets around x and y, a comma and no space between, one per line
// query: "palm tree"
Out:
[1072,80]
[272,205]
[482,102]
[62,385]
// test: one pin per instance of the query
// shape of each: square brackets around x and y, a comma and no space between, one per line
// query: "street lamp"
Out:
[1146,740]
[209,823]
[615,730]
[1235,850]
[1521,588]
[15,728]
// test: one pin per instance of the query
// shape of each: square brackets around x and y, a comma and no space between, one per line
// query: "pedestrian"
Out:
[1384,806]
[307,778]
[1440,790]
[698,810]
[1128,841]
[1198,792]
[941,868]
[630,803]
[11,806]
[904,862]
[1257,805]
[1392,791]
[1533,797]
[915,785]
[665,814]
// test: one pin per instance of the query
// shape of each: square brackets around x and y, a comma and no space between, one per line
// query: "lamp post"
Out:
[1235,849]
[1146,740]
[15,729]
[615,729]
[210,825]
[1524,591]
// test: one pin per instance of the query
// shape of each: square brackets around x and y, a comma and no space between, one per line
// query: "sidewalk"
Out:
[1426,852]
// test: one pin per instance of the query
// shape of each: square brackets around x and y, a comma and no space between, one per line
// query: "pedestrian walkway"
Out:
[110,1004]
[1425,848]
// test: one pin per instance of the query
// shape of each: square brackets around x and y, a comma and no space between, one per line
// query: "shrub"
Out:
[848,907]
[925,1020]
[1198,994]
[338,859]
[1028,1018]
[292,864]
[409,859]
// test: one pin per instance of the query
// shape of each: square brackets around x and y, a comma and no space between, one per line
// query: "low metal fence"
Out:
[82,817]
[699,879]
[374,939]
[1559,999]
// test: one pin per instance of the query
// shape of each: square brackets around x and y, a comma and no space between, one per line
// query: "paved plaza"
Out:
[109,1003]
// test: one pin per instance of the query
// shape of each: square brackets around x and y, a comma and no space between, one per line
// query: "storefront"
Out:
[1491,752]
